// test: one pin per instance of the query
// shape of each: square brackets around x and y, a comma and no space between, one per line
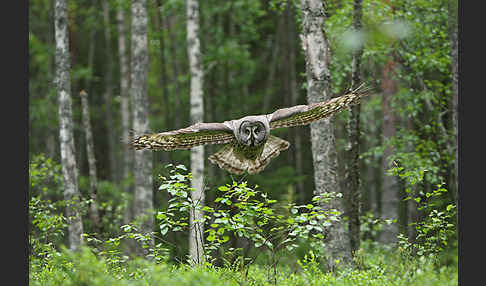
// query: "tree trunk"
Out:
[316,48]
[197,154]
[176,71]
[163,69]
[93,179]
[127,153]
[108,94]
[352,175]
[389,191]
[68,161]
[270,84]
[294,96]
[143,200]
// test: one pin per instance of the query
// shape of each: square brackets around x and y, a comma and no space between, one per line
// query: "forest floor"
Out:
[373,267]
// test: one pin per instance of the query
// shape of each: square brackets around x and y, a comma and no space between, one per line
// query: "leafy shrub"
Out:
[47,224]
[437,229]
[245,212]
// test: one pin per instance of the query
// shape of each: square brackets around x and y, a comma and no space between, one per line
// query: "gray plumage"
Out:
[248,143]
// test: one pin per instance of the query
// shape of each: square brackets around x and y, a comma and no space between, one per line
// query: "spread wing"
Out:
[185,138]
[305,114]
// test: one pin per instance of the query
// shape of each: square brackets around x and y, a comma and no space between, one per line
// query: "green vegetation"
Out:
[262,229]
[283,243]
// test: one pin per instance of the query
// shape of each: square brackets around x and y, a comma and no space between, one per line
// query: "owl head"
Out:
[252,132]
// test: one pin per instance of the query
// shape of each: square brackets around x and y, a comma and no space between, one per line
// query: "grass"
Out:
[373,267]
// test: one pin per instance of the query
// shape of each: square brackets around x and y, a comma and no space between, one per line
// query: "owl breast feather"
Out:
[248,152]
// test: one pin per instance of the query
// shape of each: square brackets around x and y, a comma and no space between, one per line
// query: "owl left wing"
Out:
[306,114]
[185,138]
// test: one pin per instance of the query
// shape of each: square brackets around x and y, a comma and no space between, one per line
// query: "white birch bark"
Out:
[196,232]
[316,48]
[127,153]
[66,138]
[143,199]
[294,95]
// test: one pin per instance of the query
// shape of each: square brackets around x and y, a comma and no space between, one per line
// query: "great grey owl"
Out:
[248,143]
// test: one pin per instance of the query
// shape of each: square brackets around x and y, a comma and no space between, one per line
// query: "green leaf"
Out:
[223,188]
[164,230]
[182,167]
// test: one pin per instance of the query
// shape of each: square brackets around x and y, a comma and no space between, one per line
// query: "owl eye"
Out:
[247,131]
[257,129]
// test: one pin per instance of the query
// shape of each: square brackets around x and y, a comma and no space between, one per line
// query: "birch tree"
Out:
[143,199]
[127,153]
[324,155]
[352,179]
[163,70]
[197,154]
[294,96]
[66,138]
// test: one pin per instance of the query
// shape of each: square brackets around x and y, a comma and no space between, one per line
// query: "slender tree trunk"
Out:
[197,154]
[294,96]
[163,69]
[143,200]
[176,71]
[270,85]
[389,191]
[108,94]
[93,178]
[91,54]
[51,140]
[352,174]
[316,48]
[127,153]
[50,144]
[68,161]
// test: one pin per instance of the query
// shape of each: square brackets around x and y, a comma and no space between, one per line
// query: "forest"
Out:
[365,195]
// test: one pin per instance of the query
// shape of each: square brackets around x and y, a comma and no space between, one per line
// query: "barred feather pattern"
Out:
[231,158]
[181,139]
[306,114]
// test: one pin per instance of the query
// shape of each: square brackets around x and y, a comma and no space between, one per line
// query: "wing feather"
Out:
[185,138]
[305,114]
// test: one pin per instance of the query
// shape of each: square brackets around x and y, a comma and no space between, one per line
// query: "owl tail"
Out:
[227,159]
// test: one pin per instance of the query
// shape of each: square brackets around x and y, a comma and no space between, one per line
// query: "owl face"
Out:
[252,133]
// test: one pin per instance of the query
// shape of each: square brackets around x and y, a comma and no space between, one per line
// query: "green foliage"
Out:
[47,224]
[244,212]
[268,225]
[238,40]
[438,228]
[45,178]
[377,268]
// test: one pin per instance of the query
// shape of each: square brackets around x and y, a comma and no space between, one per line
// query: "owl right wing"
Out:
[306,114]
[186,138]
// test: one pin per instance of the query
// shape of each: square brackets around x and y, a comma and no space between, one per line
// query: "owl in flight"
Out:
[248,145]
